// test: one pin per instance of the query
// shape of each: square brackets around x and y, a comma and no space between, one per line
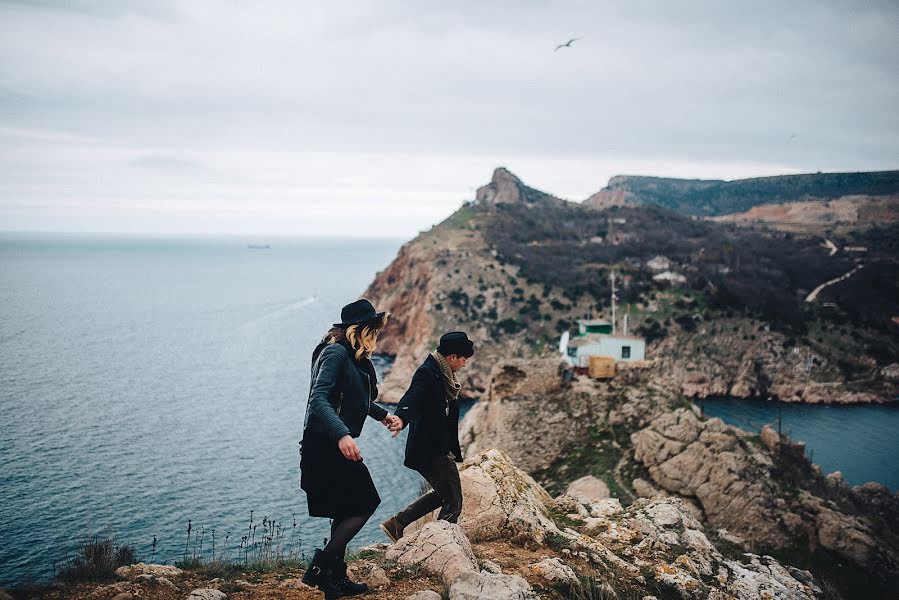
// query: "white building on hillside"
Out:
[621,348]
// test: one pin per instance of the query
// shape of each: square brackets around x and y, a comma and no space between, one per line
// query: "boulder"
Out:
[588,488]
[479,586]
[132,571]
[371,574]
[207,594]
[491,567]
[502,502]
[439,547]
[147,579]
[553,570]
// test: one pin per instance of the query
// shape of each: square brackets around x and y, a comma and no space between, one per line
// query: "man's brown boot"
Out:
[393,529]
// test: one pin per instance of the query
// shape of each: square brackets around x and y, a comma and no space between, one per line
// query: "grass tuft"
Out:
[96,560]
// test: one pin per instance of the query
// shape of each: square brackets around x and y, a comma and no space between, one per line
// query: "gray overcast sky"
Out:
[381,117]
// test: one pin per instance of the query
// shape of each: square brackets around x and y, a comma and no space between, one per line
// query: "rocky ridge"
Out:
[635,434]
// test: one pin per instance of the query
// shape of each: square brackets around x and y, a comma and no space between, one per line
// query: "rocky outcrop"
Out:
[506,188]
[652,544]
[138,569]
[439,547]
[502,501]
[659,540]
[766,493]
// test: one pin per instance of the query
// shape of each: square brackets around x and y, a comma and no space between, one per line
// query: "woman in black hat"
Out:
[337,483]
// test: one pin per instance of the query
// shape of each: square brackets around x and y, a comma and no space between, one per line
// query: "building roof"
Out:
[596,338]
[593,322]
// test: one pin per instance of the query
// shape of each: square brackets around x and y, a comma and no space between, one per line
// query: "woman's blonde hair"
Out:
[364,336]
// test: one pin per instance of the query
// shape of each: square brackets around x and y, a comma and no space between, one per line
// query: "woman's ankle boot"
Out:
[321,574]
[347,585]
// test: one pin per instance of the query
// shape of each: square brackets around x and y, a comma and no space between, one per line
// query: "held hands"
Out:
[395,425]
[349,449]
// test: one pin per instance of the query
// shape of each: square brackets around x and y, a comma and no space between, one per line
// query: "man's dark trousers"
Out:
[446,492]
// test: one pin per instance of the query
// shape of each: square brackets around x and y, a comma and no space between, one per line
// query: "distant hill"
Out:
[715,197]
[724,305]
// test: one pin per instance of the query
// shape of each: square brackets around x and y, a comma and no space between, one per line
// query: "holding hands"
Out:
[394,424]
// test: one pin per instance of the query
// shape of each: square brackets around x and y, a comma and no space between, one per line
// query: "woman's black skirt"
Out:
[335,487]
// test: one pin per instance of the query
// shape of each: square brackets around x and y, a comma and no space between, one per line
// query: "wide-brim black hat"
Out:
[360,311]
[456,342]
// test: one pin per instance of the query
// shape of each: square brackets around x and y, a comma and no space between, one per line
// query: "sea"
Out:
[151,385]
[861,441]
[148,383]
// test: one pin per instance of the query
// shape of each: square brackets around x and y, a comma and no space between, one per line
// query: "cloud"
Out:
[264,101]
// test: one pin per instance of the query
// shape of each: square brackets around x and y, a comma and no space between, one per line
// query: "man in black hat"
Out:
[431,410]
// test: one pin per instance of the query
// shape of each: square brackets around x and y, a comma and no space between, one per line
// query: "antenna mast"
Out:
[613,302]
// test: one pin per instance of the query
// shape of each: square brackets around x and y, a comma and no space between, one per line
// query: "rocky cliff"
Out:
[757,493]
[517,267]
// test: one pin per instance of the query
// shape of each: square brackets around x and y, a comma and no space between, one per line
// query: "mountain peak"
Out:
[506,188]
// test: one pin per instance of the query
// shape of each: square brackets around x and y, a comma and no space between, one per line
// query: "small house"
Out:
[621,348]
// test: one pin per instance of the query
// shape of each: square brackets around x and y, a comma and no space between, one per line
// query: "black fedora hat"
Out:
[360,311]
[456,342]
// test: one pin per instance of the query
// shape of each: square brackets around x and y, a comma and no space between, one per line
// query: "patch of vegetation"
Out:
[596,456]
[762,276]
[96,559]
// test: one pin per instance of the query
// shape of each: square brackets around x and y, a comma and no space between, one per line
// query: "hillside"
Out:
[722,307]
[715,197]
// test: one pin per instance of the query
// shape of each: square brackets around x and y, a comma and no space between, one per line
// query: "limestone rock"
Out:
[439,547]
[148,579]
[730,480]
[588,488]
[424,595]
[651,531]
[479,586]
[644,489]
[371,574]
[553,570]
[207,594]
[132,571]
[491,567]
[122,596]
[502,502]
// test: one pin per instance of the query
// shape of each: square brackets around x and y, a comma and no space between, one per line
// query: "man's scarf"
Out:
[451,385]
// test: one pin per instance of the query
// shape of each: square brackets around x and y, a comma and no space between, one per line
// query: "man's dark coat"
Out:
[432,432]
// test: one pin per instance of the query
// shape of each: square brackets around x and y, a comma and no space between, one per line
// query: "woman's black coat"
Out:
[342,394]
[423,408]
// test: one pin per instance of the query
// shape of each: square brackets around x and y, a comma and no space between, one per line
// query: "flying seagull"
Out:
[566,44]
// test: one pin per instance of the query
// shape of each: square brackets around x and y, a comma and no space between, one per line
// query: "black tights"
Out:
[342,531]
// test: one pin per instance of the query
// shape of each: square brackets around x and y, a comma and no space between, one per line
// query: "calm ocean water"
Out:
[861,441]
[147,382]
